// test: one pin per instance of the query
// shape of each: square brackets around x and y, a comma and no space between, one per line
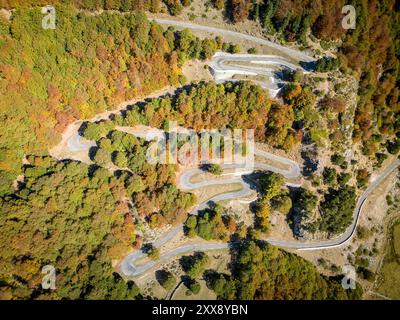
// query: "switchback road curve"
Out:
[128,267]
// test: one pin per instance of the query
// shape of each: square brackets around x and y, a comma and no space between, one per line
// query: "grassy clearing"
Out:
[211,191]
[389,277]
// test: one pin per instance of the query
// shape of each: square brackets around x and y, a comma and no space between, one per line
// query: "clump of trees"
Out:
[166,279]
[371,54]
[215,168]
[326,64]
[194,287]
[300,97]
[306,200]
[339,160]
[362,177]
[272,192]
[261,271]
[209,106]
[151,187]
[304,205]
[332,104]
[153,253]
[195,264]
[330,176]
[106,59]
[211,224]
[337,210]
[393,147]
[302,101]
[174,7]
[74,217]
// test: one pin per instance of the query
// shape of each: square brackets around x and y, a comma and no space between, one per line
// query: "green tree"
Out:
[154,253]
[167,280]
[194,287]
[102,157]
[215,168]
[196,264]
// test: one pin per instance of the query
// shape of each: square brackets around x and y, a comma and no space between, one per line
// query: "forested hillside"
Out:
[174,7]
[48,78]
[81,218]
[202,106]
[209,106]
[72,216]
[371,50]
[261,271]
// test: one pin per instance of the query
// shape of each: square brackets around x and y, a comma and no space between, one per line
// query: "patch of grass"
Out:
[390,271]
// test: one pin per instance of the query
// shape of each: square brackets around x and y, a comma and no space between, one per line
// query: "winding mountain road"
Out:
[292,171]
[129,268]
[225,66]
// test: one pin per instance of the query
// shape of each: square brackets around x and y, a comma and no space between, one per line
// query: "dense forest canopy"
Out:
[173,6]
[371,50]
[208,106]
[74,217]
[261,271]
[80,217]
[88,64]
[202,106]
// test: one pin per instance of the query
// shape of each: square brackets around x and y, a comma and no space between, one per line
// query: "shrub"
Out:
[215,168]
[154,253]
[330,176]
[167,280]
[194,287]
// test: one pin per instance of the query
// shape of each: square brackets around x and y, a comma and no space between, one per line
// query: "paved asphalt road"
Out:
[224,66]
[223,71]
[130,269]
[75,143]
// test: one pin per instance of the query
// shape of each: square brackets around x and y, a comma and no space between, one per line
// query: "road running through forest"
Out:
[128,268]
[75,143]
[296,54]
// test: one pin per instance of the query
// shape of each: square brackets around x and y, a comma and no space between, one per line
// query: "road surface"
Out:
[130,269]
[128,266]
[349,233]
[77,143]
[225,66]
[224,72]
